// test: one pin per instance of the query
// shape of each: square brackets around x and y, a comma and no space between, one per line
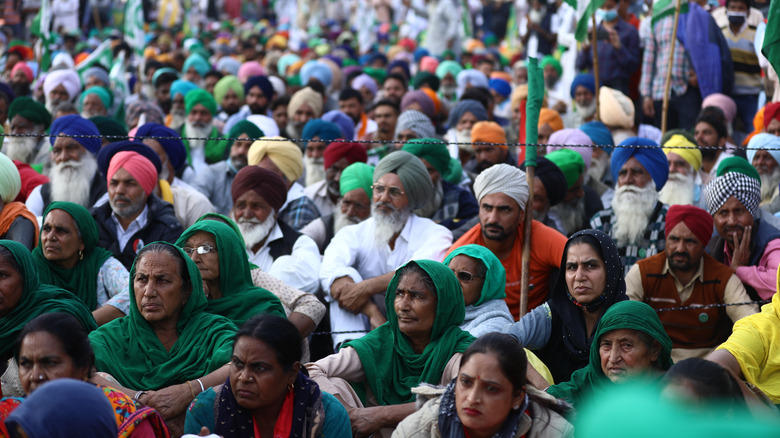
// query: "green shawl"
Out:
[241,300]
[81,280]
[392,372]
[215,150]
[494,287]
[634,315]
[232,224]
[36,299]
[128,349]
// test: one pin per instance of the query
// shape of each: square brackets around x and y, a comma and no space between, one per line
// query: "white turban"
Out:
[67,78]
[265,123]
[10,181]
[502,178]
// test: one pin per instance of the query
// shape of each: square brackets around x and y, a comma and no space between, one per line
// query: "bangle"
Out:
[192,393]
[201,385]
[138,394]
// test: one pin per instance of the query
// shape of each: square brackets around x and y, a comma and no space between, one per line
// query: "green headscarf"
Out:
[232,224]
[494,287]
[241,300]
[431,150]
[36,299]
[81,279]
[634,315]
[392,372]
[128,349]
[356,176]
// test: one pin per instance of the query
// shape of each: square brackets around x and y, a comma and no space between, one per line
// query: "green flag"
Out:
[40,28]
[134,26]
[664,8]
[533,106]
[771,47]
[100,56]
[585,10]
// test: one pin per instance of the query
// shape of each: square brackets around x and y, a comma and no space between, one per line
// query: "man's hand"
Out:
[648,107]
[353,297]
[363,422]
[741,256]
[375,316]
[337,286]
[614,38]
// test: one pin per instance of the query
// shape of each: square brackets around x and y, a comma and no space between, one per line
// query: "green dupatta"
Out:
[80,280]
[241,299]
[128,349]
[634,315]
[392,372]
[494,287]
[36,299]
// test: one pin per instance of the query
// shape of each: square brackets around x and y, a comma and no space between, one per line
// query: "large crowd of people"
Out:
[312,219]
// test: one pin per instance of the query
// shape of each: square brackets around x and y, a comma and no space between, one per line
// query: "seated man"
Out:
[451,205]
[317,135]
[361,259]
[636,219]
[133,216]
[682,276]
[336,156]
[578,199]
[275,247]
[763,151]
[26,116]
[353,207]
[486,155]
[747,243]
[202,138]
[684,184]
[502,192]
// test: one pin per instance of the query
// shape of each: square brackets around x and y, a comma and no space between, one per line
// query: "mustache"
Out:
[388,205]
[249,220]
[122,198]
[494,226]
[684,254]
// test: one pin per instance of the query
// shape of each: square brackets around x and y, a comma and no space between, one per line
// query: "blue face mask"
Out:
[607,14]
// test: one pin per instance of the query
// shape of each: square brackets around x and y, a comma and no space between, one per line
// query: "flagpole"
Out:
[668,84]
[594,43]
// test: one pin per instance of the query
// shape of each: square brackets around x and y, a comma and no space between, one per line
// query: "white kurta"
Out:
[298,270]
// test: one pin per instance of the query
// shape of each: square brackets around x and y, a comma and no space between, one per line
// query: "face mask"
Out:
[607,14]
[536,16]
[737,18]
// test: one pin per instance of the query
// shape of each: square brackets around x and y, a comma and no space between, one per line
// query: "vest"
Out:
[283,246]
[691,328]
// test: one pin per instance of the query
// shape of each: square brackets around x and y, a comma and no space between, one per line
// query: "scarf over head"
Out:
[495,280]
[264,182]
[431,150]
[568,138]
[631,315]
[343,121]
[768,142]
[81,279]
[285,154]
[128,349]
[414,176]
[105,95]
[225,84]
[746,189]
[200,96]
[171,142]
[352,152]
[681,146]
[489,132]
[771,112]
[553,179]
[67,78]
[467,106]
[138,166]
[416,122]
[502,178]
[357,176]
[37,299]
[327,131]
[552,118]
[420,98]
[696,219]
[649,155]
[261,82]
[76,126]
[308,96]
[240,300]
[391,366]
[31,110]
[10,180]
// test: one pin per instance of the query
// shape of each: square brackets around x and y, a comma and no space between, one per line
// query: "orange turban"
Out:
[488,132]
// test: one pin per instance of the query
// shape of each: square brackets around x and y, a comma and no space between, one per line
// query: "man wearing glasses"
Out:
[361,259]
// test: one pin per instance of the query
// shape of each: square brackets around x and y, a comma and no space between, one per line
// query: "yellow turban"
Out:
[285,154]
[681,146]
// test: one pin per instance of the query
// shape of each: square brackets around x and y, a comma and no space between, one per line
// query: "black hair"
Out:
[152,64]
[709,380]
[714,117]
[278,333]
[398,77]
[162,248]
[215,73]
[388,102]
[165,78]
[413,268]
[745,2]
[9,258]
[317,86]
[68,331]
[279,101]
[350,93]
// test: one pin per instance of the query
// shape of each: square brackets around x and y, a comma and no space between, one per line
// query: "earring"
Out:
[516,407]
[291,387]
[81,255]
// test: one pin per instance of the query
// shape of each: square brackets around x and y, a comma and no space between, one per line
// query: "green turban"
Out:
[222,86]
[202,97]
[110,127]
[454,174]
[356,176]
[570,162]
[739,165]
[379,74]
[30,110]
[550,60]
[103,93]
[426,78]
[448,67]
[245,127]
[431,150]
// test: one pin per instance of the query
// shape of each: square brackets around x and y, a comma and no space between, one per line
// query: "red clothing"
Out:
[30,180]
[546,254]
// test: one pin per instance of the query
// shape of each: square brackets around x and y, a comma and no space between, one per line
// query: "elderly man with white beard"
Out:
[636,219]
[73,174]
[258,195]
[61,86]
[337,156]
[361,259]
[683,187]
[27,117]
[203,145]
[317,135]
[763,152]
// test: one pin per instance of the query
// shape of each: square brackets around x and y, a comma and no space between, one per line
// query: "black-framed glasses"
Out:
[394,192]
[466,276]
[203,249]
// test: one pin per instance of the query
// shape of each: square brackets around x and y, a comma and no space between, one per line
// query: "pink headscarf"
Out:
[138,166]
[429,64]
[723,102]
[249,69]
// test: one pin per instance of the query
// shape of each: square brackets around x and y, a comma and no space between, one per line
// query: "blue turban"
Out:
[343,121]
[260,81]
[198,62]
[325,130]
[651,156]
[467,106]
[586,80]
[500,86]
[108,152]
[599,134]
[180,86]
[419,53]
[316,70]
[400,63]
[174,147]
[72,125]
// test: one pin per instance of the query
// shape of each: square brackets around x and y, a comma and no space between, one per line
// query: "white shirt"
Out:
[318,193]
[298,270]
[353,253]
[123,236]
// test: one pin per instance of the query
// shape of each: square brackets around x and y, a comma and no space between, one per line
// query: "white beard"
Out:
[178,118]
[51,106]
[23,149]
[587,112]
[341,220]
[253,230]
[197,131]
[463,137]
[632,209]
[769,183]
[315,169]
[387,224]
[678,189]
[89,115]
[598,167]
[70,180]
[570,214]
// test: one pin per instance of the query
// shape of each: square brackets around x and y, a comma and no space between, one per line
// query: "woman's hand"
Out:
[170,401]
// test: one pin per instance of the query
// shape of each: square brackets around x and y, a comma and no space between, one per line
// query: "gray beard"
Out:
[387,224]
[587,112]
[253,230]
[178,119]
[769,183]
[71,180]
[431,207]
[341,220]
[678,190]
[89,115]
[315,170]
[598,167]
[570,215]
[23,149]
[632,209]
[197,131]
[51,106]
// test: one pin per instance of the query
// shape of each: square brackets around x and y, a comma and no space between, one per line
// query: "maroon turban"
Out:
[771,112]
[696,219]
[337,150]
[264,182]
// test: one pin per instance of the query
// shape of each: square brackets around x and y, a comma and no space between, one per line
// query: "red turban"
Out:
[264,182]
[771,112]
[353,152]
[138,166]
[696,219]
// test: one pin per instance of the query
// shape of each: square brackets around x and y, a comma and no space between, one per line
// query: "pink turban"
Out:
[21,65]
[723,102]
[138,166]
[429,64]
[567,137]
[249,69]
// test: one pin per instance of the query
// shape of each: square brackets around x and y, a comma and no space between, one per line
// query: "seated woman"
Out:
[55,346]
[490,397]
[267,394]
[630,343]
[421,342]
[561,331]
[68,257]
[16,221]
[168,348]
[22,298]
[221,259]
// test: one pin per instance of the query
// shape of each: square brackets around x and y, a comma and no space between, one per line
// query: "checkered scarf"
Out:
[747,190]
